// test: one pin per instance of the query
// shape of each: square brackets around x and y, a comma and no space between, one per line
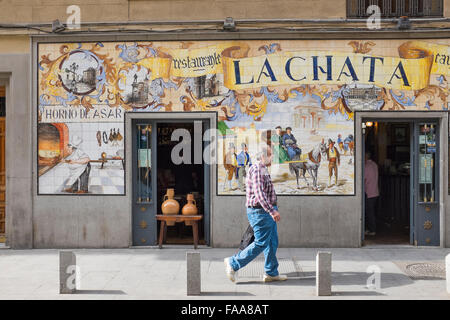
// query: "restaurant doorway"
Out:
[165,160]
[184,178]
[406,152]
[388,145]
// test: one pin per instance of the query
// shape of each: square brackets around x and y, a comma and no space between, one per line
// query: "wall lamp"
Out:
[229,25]
[57,26]
[404,23]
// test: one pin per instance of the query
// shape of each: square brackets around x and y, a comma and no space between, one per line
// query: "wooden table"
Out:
[178,218]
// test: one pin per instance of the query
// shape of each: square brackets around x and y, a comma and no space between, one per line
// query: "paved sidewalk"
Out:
[161,274]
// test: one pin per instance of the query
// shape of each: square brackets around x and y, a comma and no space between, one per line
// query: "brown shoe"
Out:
[81,192]
[69,190]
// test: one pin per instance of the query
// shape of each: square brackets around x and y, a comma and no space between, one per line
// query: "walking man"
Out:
[263,215]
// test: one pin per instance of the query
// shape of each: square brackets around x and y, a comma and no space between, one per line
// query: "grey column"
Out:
[67,272]
[193,273]
[323,274]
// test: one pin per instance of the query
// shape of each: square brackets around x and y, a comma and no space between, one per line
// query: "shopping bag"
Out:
[247,238]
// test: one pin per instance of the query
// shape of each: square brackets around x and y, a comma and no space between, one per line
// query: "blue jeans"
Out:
[266,239]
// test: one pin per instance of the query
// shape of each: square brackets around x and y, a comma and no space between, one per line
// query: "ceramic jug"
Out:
[170,205]
[190,208]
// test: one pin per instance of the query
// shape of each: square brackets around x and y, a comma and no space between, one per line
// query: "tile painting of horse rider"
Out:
[349,144]
[290,143]
[340,142]
[334,160]
[230,165]
[243,161]
[79,167]
[279,153]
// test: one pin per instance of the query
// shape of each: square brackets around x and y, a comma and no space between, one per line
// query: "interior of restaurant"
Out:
[183,178]
[389,144]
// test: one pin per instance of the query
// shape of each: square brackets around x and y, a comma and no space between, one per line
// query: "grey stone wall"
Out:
[81,222]
[105,221]
[306,221]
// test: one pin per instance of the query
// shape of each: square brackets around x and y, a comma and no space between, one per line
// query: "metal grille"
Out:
[396,8]
[423,270]
[426,270]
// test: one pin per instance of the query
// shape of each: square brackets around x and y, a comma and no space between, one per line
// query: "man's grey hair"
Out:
[263,150]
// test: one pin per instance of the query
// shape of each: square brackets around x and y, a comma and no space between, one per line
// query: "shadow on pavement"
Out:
[387,280]
[212,293]
[113,292]
[357,293]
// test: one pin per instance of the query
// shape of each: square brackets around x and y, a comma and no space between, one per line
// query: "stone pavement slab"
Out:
[161,274]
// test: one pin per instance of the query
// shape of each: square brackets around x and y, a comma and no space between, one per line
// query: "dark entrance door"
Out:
[407,154]
[388,149]
[154,172]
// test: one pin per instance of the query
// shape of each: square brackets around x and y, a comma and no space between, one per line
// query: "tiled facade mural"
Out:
[298,97]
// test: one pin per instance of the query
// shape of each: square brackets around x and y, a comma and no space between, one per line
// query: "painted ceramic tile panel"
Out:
[298,97]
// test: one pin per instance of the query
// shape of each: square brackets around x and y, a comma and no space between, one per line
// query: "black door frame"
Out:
[427,210]
[172,117]
[3,237]
[142,212]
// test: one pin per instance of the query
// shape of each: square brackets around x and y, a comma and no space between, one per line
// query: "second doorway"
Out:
[388,216]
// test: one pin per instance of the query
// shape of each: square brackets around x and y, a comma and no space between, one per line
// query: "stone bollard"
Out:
[67,272]
[323,274]
[193,273]
[447,271]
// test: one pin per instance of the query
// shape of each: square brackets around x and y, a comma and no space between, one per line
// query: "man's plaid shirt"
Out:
[259,188]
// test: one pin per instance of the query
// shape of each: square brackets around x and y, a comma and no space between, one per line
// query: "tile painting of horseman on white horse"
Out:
[299,135]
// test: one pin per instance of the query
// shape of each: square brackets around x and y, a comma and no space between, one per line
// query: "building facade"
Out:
[94,117]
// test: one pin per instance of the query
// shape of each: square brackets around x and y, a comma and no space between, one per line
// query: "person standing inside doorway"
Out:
[263,215]
[371,193]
